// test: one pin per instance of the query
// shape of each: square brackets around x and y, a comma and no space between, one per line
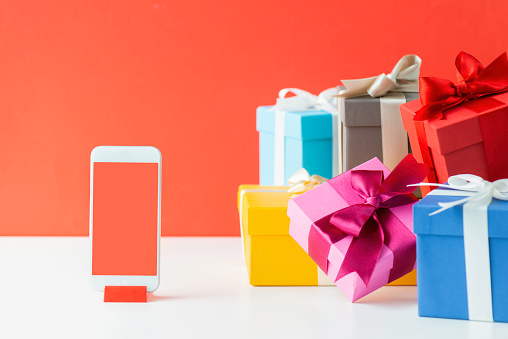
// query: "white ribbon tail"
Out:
[429,184]
[356,87]
[447,205]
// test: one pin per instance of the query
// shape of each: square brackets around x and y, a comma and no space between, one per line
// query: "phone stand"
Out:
[125,294]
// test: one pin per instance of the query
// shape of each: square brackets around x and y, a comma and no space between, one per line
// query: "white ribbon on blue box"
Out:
[478,195]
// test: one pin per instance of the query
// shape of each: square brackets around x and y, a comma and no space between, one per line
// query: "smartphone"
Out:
[125,214]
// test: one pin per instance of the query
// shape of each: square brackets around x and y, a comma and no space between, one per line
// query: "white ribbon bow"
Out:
[484,191]
[479,194]
[302,182]
[304,100]
[403,78]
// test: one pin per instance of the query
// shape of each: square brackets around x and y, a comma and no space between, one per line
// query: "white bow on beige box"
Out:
[389,89]
[403,78]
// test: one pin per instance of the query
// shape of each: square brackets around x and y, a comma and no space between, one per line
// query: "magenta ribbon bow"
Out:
[371,223]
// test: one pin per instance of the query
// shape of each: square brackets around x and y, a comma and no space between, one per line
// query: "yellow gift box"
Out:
[272,257]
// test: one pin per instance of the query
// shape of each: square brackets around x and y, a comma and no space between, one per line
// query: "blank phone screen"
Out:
[125,200]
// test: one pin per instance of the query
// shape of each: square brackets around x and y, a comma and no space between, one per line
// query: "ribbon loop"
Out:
[382,85]
[351,219]
[366,183]
[407,69]
[327,101]
[482,191]
[303,100]
[302,181]
[403,78]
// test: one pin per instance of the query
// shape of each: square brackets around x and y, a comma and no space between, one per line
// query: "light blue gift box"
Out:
[442,286]
[308,139]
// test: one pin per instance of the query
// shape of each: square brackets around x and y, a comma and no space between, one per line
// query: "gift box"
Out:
[458,128]
[462,251]
[369,116]
[365,136]
[298,132]
[271,255]
[341,224]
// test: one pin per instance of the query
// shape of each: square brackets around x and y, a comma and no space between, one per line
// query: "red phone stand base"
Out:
[125,294]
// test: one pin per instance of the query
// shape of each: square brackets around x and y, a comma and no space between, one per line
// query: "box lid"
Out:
[264,211]
[460,126]
[450,222]
[305,125]
[365,110]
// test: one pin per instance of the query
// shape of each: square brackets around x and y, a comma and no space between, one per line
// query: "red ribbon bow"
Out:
[372,224]
[475,81]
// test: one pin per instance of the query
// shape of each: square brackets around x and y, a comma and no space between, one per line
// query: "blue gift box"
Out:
[442,285]
[308,143]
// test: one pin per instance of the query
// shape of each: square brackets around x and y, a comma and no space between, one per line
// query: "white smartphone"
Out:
[125,214]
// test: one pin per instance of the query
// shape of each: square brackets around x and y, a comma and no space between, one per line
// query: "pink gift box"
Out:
[307,209]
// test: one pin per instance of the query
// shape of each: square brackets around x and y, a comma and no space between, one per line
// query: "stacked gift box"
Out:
[364,228]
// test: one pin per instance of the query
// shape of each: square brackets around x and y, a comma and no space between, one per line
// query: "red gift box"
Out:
[468,138]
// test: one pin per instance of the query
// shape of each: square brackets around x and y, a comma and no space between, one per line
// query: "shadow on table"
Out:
[394,295]
[155,298]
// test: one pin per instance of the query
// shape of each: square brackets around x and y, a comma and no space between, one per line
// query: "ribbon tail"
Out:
[320,239]
[363,253]
[401,241]
[447,205]
[429,184]
[407,171]
[355,87]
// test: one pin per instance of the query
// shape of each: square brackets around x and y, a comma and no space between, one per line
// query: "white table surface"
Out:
[204,293]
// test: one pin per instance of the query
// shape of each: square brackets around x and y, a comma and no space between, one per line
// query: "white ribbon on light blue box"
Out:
[478,194]
[388,88]
[302,101]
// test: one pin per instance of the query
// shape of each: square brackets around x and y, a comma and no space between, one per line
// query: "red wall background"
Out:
[186,77]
